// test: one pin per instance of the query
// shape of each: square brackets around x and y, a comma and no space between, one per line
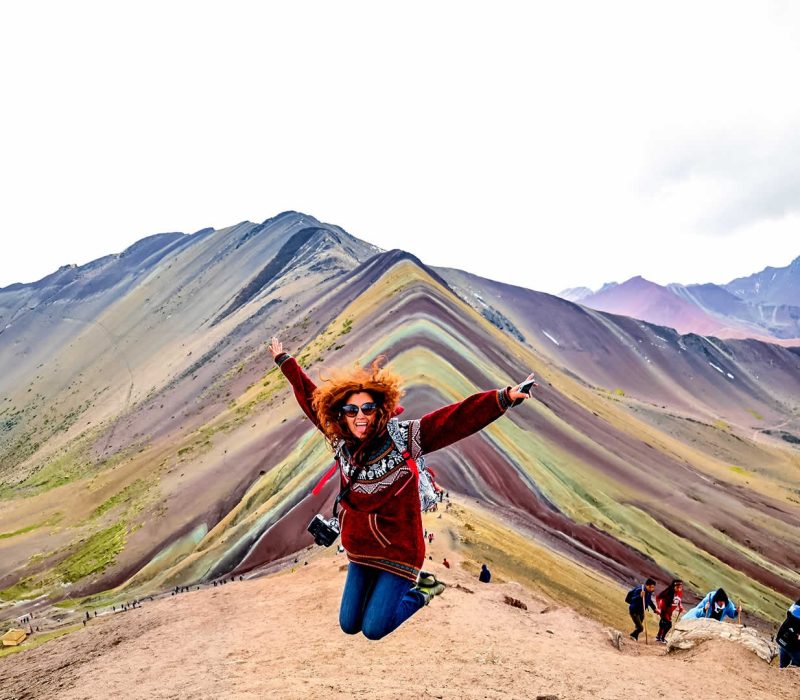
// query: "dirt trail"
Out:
[278,636]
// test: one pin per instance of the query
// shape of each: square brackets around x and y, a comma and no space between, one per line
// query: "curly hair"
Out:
[331,394]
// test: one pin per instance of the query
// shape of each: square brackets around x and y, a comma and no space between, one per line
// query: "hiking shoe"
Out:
[426,579]
[428,592]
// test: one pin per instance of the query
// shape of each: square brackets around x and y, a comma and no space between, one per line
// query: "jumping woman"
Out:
[380,520]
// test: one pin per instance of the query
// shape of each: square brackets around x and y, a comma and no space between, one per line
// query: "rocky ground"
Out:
[277,636]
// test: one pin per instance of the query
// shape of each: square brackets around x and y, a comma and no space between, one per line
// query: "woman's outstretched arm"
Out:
[302,384]
[452,423]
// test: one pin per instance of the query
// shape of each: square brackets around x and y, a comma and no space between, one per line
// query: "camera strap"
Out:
[343,492]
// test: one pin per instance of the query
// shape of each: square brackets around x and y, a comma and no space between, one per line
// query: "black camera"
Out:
[324,531]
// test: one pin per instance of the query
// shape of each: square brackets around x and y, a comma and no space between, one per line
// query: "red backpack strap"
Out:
[410,462]
[327,475]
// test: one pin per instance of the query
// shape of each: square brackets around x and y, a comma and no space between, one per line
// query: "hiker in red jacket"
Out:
[668,602]
[381,522]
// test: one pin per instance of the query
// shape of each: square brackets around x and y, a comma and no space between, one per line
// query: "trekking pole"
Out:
[644,618]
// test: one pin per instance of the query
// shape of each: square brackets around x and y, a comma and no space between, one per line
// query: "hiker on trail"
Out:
[788,637]
[430,537]
[638,600]
[381,520]
[446,563]
[667,602]
[715,606]
[485,575]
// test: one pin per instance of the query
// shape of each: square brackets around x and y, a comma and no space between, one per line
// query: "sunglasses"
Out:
[350,409]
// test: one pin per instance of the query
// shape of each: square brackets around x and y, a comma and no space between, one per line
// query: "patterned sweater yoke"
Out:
[384,464]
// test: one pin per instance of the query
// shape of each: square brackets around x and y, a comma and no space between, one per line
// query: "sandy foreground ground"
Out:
[278,637]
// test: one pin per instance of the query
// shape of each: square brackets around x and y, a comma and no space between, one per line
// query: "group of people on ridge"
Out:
[716,606]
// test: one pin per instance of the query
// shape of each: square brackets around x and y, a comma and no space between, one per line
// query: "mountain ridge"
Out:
[764,305]
[182,456]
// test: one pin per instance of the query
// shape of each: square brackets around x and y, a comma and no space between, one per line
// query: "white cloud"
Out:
[726,180]
[544,144]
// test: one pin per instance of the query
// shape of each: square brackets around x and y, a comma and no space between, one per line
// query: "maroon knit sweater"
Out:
[380,522]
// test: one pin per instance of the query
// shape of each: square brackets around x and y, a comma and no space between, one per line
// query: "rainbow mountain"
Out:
[147,440]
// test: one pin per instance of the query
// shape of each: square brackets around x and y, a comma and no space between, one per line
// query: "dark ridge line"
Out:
[272,270]
[247,236]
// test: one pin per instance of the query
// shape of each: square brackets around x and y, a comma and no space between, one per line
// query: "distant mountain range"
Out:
[147,440]
[765,305]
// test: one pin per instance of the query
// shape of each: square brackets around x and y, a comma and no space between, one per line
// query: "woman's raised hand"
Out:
[275,347]
[515,393]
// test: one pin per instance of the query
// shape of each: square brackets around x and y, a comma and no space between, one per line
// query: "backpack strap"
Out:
[324,480]
[411,463]
[393,429]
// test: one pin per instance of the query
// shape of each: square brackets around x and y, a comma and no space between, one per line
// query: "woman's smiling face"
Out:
[360,424]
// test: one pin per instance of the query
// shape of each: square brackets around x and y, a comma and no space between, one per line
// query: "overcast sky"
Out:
[540,143]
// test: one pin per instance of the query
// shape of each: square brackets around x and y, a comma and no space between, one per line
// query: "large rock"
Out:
[689,633]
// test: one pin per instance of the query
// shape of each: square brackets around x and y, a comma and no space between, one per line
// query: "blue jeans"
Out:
[787,658]
[376,602]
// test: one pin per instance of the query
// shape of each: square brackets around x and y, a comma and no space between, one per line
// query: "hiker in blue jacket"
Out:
[788,637]
[638,600]
[715,606]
